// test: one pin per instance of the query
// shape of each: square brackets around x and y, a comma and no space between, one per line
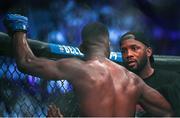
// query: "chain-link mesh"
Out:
[25,95]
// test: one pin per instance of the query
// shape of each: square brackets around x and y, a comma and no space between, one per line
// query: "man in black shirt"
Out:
[137,56]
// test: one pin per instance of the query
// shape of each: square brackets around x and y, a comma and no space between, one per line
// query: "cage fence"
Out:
[23,95]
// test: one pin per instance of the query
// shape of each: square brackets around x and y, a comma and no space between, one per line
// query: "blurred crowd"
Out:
[61,21]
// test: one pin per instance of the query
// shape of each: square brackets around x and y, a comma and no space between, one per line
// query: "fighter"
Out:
[103,87]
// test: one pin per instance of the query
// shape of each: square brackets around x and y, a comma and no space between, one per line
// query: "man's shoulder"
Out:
[114,64]
[166,72]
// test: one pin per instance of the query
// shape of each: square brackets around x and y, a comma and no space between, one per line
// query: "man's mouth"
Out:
[131,63]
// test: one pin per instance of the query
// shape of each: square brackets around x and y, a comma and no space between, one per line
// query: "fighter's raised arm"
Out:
[26,61]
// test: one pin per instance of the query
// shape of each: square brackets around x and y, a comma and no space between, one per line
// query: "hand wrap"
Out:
[16,22]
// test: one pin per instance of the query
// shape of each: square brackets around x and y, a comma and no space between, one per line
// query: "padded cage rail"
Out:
[50,51]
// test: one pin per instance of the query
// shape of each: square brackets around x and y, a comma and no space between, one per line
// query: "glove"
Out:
[15,22]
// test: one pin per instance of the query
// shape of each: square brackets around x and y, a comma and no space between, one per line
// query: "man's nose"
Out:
[129,54]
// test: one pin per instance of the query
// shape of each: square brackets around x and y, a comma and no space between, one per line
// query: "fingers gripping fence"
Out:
[25,95]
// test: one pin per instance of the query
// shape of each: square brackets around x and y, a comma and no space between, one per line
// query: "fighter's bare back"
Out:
[105,89]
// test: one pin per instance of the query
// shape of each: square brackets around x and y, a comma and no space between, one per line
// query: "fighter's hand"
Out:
[53,111]
[15,22]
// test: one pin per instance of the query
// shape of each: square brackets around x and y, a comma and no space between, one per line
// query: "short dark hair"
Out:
[139,36]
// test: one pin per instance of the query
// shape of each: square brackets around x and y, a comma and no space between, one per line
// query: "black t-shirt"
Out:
[168,84]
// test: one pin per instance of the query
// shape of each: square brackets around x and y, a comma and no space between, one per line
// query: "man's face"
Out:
[134,54]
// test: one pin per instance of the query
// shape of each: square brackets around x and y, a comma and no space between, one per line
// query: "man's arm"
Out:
[153,102]
[26,61]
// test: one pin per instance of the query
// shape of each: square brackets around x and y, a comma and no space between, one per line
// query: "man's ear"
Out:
[149,51]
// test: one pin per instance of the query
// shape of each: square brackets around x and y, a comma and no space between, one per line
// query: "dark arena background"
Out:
[59,22]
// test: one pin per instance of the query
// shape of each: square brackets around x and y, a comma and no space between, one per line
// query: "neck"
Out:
[96,55]
[147,71]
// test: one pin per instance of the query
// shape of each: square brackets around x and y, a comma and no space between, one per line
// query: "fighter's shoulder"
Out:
[133,77]
[117,65]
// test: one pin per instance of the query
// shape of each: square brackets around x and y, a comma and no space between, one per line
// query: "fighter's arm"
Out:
[153,102]
[27,62]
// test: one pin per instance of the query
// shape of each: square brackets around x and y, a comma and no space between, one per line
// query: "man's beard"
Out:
[140,66]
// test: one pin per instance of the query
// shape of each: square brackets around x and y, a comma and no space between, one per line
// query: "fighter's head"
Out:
[95,39]
[136,50]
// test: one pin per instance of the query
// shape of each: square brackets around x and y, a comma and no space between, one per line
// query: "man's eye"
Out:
[123,51]
[134,48]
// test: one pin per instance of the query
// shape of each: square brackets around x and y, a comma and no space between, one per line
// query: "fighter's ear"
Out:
[149,51]
[81,47]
